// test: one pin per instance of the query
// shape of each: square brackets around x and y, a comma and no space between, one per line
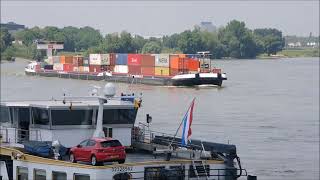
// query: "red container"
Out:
[147,60]
[78,60]
[193,64]
[113,59]
[134,70]
[134,59]
[94,68]
[147,71]
[107,68]
[68,67]
[179,63]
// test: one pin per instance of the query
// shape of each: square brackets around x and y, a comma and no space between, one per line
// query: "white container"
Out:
[86,69]
[105,59]
[121,69]
[99,59]
[58,67]
[162,60]
[49,61]
[56,59]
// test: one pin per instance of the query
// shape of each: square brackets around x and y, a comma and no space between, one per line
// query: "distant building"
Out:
[207,26]
[312,44]
[294,45]
[12,27]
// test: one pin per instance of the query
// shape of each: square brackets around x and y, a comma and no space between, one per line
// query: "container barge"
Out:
[155,69]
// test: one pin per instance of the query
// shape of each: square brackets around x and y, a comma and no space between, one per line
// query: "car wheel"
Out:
[94,160]
[121,161]
[72,159]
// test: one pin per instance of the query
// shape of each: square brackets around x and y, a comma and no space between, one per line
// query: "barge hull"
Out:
[160,81]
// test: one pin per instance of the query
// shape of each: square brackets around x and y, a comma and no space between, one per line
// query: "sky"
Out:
[157,18]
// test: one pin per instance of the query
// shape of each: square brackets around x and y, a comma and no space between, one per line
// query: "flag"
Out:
[187,121]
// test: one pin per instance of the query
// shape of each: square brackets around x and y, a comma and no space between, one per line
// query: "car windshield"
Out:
[112,143]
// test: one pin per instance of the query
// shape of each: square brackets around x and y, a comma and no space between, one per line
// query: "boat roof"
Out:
[116,103]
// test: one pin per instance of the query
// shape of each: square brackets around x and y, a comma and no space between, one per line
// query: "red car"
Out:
[98,150]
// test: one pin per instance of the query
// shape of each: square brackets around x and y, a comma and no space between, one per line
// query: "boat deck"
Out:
[133,159]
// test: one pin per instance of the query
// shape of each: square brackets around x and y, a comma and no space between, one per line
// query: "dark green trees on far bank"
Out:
[234,40]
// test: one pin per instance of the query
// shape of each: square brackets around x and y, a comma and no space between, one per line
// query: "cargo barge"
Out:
[156,69]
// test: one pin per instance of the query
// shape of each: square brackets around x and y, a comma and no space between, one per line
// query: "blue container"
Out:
[121,59]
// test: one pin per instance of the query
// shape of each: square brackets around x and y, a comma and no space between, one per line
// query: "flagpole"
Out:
[181,123]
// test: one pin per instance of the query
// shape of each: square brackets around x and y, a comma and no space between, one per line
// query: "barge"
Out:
[159,69]
[68,120]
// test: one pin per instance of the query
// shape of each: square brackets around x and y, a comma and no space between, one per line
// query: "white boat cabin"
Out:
[65,121]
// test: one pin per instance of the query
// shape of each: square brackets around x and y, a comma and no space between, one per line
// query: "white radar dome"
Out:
[109,90]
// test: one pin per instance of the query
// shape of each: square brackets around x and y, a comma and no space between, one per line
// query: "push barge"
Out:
[157,69]
[151,155]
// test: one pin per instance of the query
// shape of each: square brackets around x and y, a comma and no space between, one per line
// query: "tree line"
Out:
[234,40]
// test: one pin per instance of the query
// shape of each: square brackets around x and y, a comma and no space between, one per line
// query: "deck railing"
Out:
[15,135]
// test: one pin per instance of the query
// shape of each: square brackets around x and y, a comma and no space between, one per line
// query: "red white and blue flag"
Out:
[187,121]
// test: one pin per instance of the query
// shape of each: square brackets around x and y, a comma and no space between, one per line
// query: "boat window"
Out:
[24,118]
[59,175]
[119,116]
[39,174]
[40,116]
[151,173]
[22,173]
[112,143]
[107,131]
[71,117]
[4,114]
[77,176]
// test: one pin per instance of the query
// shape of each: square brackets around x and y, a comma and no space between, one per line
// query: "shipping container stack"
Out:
[177,65]
[121,64]
[85,65]
[99,63]
[134,64]
[162,65]
[147,65]
[66,63]
[78,63]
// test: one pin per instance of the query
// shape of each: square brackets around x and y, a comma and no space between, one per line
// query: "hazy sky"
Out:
[166,17]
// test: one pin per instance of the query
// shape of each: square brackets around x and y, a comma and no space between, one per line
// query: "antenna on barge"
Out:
[108,92]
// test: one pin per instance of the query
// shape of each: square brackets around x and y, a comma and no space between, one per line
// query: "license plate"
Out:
[116,156]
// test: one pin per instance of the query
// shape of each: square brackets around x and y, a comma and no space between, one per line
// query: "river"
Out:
[268,108]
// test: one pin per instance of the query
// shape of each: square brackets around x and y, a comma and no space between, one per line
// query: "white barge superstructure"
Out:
[150,154]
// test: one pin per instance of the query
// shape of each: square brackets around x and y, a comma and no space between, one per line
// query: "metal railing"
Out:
[15,135]
[144,134]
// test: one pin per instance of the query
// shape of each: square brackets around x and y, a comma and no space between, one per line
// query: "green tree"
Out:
[190,42]
[238,41]
[270,40]
[151,47]
[138,42]
[6,39]
[87,37]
